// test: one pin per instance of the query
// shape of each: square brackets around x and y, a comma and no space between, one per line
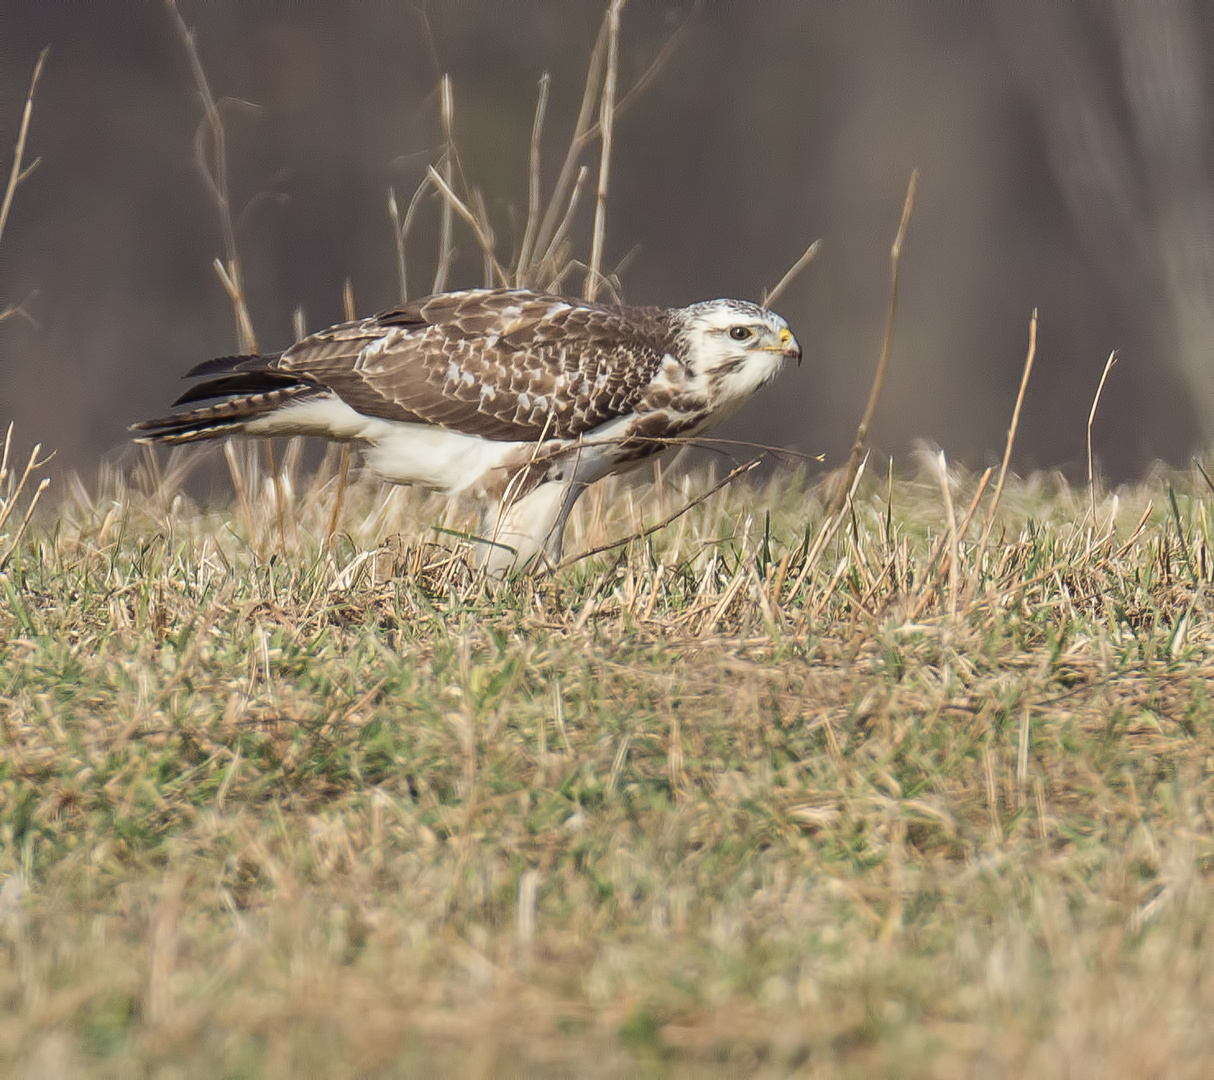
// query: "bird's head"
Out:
[736,347]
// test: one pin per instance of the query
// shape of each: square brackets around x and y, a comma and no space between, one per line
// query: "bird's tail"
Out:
[250,389]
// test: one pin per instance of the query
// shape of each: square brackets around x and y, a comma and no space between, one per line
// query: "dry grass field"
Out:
[700,805]
[919,789]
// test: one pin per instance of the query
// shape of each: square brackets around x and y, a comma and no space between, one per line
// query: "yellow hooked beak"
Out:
[789,346]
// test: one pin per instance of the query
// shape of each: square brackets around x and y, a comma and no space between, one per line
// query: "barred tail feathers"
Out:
[249,395]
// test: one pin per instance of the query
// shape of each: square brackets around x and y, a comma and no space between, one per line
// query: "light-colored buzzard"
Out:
[518,398]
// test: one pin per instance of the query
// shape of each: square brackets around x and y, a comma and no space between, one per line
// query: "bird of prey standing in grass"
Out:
[518,398]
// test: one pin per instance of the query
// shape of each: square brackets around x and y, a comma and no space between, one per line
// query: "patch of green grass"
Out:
[681,810]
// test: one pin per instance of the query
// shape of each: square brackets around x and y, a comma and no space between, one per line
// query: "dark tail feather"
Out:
[223,418]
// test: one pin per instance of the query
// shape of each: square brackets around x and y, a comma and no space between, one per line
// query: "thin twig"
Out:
[30,466]
[643,533]
[492,273]
[460,207]
[586,129]
[559,236]
[521,272]
[790,275]
[343,472]
[1011,439]
[668,50]
[18,174]
[399,238]
[938,548]
[607,125]
[895,253]
[1091,419]
[215,176]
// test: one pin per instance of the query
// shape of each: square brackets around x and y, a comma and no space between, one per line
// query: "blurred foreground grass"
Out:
[690,808]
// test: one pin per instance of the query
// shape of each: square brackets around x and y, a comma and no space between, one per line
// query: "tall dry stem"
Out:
[874,395]
[18,172]
[607,127]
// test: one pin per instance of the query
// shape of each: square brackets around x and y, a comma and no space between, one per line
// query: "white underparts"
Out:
[402,453]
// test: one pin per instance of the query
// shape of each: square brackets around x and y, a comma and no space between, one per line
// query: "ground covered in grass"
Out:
[720,802]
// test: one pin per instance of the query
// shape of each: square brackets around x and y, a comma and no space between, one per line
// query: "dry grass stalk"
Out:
[484,239]
[941,470]
[926,595]
[829,527]
[523,264]
[669,519]
[212,165]
[790,275]
[1011,440]
[9,500]
[401,230]
[844,483]
[1108,364]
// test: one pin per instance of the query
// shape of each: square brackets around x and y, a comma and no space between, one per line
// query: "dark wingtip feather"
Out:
[222,365]
[238,383]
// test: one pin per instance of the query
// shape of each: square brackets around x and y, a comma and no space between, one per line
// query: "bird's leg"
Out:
[556,535]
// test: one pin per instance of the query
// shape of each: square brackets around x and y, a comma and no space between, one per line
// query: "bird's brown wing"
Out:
[501,364]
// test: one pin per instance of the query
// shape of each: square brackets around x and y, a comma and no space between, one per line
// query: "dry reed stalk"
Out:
[874,394]
[941,469]
[607,126]
[213,168]
[402,274]
[492,273]
[586,128]
[1011,439]
[445,255]
[1108,364]
[8,443]
[577,142]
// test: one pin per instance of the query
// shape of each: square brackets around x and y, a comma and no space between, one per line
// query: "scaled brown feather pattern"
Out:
[511,366]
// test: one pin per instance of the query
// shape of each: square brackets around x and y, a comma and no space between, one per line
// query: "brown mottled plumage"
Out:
[518,396]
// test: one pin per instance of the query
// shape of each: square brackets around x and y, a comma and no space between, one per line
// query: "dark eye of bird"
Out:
[741,333]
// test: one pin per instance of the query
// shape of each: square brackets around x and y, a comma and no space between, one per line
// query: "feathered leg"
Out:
[515,534]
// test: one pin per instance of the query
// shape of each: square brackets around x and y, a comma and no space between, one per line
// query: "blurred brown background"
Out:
[1066,155]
